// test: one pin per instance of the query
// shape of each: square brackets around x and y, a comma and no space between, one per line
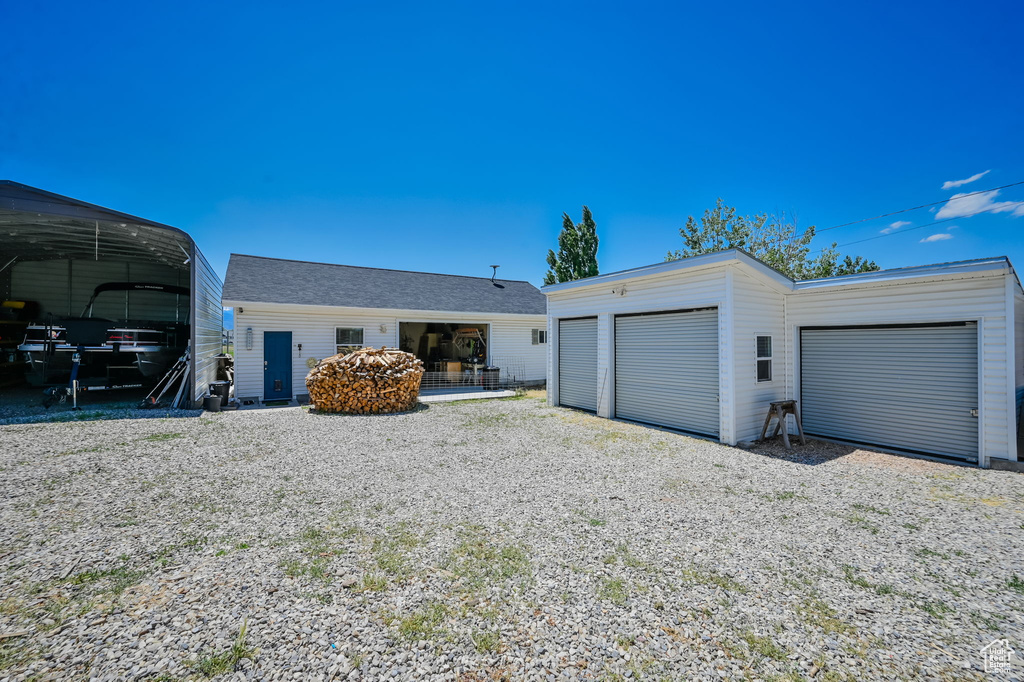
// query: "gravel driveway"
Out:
[490,540]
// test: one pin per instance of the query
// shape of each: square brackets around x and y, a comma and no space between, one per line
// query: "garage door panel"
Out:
[666,370]
[577,363]
[908,388]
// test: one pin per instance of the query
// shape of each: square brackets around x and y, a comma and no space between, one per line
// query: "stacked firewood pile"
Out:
[366,381]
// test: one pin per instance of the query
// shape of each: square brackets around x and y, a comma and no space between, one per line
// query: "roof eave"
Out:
[235,303]
[954,270]
[708,260]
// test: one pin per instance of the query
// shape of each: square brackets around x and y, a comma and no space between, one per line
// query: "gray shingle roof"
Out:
[256,279]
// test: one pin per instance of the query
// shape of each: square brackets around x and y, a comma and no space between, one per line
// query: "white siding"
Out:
[673,291]
[513,338]
[1018,324]
[313,327]
[751,304]
[980,298]
[758,310]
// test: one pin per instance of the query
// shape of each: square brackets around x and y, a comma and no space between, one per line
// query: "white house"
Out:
[926,360]
[289,314]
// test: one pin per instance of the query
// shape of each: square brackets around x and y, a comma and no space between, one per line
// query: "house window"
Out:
[540,336]
[347,339]
[764,358]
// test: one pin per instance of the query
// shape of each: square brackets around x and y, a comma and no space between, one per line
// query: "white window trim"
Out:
[349,345]
[770,358]
[540,336]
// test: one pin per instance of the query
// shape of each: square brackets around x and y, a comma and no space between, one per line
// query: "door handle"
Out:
[264,365]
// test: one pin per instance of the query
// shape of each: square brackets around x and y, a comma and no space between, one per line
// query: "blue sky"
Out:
[449,136]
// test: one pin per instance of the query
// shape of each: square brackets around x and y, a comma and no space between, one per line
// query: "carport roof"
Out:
[257,279]
[40,225]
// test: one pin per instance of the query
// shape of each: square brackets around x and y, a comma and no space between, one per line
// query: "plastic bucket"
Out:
[221,389]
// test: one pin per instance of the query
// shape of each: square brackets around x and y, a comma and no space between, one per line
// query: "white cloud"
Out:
[942,236]
[895,226]
[950,184]
[961,205]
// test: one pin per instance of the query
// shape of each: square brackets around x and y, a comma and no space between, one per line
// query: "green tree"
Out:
[577,251]
[771,238]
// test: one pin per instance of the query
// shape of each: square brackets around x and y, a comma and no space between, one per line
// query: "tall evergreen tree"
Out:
[577,251]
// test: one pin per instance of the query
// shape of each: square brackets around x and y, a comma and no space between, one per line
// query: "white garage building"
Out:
[925,360]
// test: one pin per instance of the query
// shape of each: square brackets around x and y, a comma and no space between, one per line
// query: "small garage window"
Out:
[764,358]
[540,336]
[347,339]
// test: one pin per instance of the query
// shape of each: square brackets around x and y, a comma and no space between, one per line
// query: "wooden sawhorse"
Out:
[780,409]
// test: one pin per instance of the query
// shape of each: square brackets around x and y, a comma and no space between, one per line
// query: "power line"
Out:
[1004,207]
[915,208]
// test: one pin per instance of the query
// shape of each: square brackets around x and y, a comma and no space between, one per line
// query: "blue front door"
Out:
[277,365]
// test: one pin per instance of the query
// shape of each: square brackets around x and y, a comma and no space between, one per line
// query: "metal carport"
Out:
[51,237]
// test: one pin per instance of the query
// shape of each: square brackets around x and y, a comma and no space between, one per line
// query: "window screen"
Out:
[540,336]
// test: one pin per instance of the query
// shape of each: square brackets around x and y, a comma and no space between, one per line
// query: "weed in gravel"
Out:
[373,582]
[391,552]
[816,612]
[622,553]
[869,508]
[625,641]
[487,420]
[480,561]
[117,579]
[783,496]
[989,621]
[925,553]
[935,608]
[864,523]
[13,654]
[486,641]
[227,660]
[424,623]
[712,577]
[850,574]
[161,437]
[675,484]
[764,646]
[1015,583]
[613,590]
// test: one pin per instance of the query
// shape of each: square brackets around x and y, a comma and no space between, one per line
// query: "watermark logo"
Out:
[997,656]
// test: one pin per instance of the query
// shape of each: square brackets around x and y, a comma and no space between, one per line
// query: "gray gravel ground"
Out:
[490,540]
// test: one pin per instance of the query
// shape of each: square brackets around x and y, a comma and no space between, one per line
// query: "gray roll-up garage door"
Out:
[666,369]
[907,388]
[577,363]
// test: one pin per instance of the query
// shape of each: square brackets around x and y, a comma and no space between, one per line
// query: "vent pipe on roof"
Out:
[495,273]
